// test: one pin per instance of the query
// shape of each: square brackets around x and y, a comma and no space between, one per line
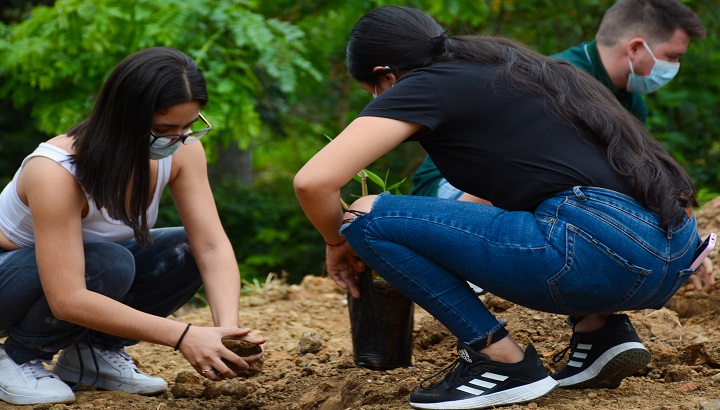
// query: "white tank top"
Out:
[97,226]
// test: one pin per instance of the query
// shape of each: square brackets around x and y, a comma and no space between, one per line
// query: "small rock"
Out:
[710,405]
[310,343]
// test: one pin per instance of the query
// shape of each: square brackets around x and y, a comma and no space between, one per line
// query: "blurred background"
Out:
[278,89]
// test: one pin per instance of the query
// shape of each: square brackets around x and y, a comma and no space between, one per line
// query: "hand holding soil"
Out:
[243,349]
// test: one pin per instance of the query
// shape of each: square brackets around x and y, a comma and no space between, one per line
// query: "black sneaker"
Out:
[476,382]
[601,359]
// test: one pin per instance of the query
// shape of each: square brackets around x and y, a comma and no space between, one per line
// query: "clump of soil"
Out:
[243,348]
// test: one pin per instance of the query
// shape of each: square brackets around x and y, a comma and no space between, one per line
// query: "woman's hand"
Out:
[203,348]
[703,278]
[342,265]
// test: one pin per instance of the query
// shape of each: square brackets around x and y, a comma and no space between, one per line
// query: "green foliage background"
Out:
[278,86]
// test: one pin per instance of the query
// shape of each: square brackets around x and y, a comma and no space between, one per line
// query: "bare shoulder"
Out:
[63,142]
[189,159]
[44,178]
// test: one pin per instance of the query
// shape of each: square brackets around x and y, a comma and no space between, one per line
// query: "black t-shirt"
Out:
[501,145]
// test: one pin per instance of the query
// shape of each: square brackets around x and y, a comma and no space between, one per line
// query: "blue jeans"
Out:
[584,251]
[157,279]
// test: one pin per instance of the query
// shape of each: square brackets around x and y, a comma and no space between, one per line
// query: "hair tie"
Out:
[439,44]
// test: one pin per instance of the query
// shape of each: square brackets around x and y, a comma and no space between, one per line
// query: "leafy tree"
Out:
[64,53]
[56,60]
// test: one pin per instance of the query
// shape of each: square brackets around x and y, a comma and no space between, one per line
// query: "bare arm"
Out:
[209,243]
[56,202]
[318,183]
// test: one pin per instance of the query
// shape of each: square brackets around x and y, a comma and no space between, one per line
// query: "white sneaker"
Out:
[31,383]
[117,371]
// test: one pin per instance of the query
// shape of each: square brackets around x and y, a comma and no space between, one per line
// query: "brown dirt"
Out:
[682,337]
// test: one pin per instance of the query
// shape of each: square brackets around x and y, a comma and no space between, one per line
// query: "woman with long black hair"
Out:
[590,216]
[81,268]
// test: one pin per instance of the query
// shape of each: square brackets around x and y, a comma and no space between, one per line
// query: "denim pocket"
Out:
[595,279]
[680,280]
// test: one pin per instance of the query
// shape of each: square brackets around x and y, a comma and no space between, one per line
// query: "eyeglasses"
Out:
[166,140]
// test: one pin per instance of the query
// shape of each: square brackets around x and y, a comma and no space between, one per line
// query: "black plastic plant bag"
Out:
[381,322]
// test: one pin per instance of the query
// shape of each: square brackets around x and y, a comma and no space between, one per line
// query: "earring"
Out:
[375,92]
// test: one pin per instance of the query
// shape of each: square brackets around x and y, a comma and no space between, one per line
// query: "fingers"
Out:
[204,349]
[347,281]
[709,277]
[211,374]
[255,339]
[703,278]
[359,266]
[255,358]
[695,279]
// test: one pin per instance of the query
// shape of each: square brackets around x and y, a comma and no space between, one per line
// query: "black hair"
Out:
[404,39]
[112,146]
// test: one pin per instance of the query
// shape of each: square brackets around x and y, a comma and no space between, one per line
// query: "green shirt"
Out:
[585,57]
[426,179]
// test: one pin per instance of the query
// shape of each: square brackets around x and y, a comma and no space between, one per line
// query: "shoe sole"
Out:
[610,368]
[507,397]
[13,398]
[71,376]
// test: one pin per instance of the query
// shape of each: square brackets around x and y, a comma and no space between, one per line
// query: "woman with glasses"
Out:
[590,215]
[81,269]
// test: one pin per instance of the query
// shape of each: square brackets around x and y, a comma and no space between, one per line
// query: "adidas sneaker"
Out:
[476,382]
[601,359]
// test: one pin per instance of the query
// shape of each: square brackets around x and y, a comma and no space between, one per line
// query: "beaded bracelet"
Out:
[182,336]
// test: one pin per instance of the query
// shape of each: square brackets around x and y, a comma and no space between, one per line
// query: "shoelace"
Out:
[456,370]
[76,387]
[34,369]
[119,357]
[448,368]
[559,356]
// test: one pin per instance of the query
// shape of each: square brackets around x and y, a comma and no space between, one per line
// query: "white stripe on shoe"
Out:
[486,385]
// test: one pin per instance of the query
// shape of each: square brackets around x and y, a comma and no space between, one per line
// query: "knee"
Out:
[169,237]
[362,205]
[109,268]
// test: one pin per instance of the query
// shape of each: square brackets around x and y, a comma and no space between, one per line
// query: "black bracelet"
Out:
[177,345]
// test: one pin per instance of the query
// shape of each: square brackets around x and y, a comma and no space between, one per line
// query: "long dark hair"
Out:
[404,39]
[112,147]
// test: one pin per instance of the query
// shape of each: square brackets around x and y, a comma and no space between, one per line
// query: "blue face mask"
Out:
[160,153]
[661,74]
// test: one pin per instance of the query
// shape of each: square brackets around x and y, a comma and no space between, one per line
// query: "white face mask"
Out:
[661,74]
